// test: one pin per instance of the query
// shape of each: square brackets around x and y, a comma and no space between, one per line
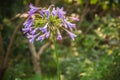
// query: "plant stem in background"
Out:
[57,59]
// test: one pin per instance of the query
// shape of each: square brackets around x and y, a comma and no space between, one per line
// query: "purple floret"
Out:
[44,29]
[71,35]
[41,37]
[32,10]
[68,24]
[47,34]
[32,37]
[54,12]
[46,12]
[59,36]
[34,31]
[28,23]
[60,12]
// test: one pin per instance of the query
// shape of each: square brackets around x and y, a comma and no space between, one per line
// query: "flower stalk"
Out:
[57,58]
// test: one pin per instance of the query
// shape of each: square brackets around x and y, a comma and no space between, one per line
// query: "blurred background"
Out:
[94,55]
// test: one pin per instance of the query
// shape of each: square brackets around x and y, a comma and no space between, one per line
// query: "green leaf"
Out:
[24,2]
[93,1]
[36,77]
[81,1]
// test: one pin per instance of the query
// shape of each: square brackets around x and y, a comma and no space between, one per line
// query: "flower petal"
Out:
[47,34]
[54,12]
[59,36]
[41,37]
[69,25]
[32,10]
[44,29]
[28,23]
[60,12]
[71,35]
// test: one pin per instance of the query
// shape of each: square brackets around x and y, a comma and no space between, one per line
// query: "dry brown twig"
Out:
[1,44]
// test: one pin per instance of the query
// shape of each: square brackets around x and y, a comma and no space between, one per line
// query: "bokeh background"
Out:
[94,55]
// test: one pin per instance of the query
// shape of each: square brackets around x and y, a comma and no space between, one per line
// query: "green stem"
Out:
[57,59]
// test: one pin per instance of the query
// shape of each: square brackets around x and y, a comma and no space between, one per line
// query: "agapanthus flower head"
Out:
[47,22]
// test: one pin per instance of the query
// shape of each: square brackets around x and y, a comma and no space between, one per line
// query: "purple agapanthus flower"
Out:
[59,36]
[41,13]
[32,10]
[32,37]
[54,12]
[26,30]
[41,37]
[34,31]
[52,18]
[47,13]
[47,34]
[28,23]
[60,12]
[44,29]
[71,35]
[68,24]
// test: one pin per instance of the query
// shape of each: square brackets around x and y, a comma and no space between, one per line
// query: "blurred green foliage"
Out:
[94,55]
